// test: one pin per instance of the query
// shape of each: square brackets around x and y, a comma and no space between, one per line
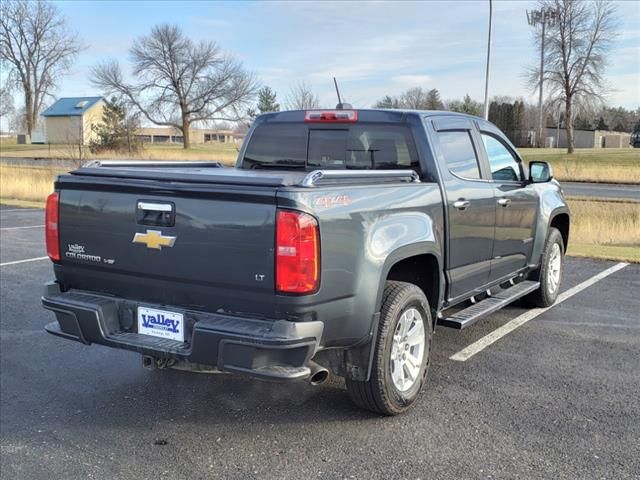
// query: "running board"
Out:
[475,312]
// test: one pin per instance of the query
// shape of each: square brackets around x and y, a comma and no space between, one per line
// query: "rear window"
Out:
[457,149]
[364,146]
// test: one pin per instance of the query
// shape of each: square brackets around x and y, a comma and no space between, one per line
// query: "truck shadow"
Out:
[143,398]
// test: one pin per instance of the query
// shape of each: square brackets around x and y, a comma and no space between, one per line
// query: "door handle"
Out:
[155,207]
[461,204]
[505,202]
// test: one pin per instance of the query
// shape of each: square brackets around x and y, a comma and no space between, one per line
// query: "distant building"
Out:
[587,138]
[69,120]
[198,135]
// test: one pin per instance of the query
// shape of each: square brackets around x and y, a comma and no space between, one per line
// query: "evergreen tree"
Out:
[468,105]
[433,100]
[602,125]
[387,102]
[116,130]
[582,123]
[267,101]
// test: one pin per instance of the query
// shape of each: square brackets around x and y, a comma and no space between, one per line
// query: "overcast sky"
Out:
[373,49]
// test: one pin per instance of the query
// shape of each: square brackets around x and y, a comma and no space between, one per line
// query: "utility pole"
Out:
[542,17]
[486,78]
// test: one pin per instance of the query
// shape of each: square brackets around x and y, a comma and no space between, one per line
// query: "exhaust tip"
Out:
[319,377]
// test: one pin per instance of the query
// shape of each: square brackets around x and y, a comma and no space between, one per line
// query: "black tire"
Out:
[379,394]
[545,296]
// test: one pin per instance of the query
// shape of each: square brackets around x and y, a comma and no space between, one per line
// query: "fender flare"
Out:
[541,237]
[402,253]
[563,210]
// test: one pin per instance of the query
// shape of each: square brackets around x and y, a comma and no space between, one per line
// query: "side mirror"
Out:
[540,172]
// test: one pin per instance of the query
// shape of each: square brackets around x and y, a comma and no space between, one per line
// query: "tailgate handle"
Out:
[156,213]
[155,207]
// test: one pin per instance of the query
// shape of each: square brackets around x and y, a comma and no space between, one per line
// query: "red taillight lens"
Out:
[331,116]
[297,252]
[51,227]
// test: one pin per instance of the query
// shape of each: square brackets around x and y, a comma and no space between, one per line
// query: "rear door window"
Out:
[457,149]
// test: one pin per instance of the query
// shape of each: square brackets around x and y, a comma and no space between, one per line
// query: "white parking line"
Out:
[23,261]
[476,347]
[21,228]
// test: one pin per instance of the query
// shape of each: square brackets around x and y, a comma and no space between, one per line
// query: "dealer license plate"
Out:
[160,323]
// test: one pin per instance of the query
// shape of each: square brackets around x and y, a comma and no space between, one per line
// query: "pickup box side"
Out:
[360,243]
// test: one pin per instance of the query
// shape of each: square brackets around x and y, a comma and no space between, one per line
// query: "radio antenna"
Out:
[340,106]
[335,82]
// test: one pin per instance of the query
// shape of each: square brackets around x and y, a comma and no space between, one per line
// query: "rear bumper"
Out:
[270,349]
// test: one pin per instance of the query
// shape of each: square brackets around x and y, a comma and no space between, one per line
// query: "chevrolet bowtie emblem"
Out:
[154,239]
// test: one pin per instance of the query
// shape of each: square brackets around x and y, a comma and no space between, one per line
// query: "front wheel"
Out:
[402,351]
[550,272]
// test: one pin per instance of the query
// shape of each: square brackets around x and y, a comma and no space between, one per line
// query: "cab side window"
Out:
[504,166]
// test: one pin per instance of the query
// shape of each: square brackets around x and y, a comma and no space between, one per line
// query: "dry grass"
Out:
[605,223]
[604,229]
[615,165]
[27,183]
[223,152]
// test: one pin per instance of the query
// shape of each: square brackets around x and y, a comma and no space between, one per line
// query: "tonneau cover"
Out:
[211,173]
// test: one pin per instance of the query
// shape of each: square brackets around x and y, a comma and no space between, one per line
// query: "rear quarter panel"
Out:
[363,230]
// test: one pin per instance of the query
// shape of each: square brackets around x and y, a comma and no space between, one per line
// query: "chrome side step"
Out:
[489,305]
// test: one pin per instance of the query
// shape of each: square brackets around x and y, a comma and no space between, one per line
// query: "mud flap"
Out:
[358,360]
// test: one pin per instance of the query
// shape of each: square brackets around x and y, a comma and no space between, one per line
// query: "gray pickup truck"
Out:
[337,243]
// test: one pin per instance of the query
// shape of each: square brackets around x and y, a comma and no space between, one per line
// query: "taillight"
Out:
[331,116]
[297,252]
[51,227]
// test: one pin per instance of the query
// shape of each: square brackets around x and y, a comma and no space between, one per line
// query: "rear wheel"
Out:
[402,351]
[550,272]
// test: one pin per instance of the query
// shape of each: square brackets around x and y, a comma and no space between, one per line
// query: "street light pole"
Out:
[486,78]
[543,16]
[540,113]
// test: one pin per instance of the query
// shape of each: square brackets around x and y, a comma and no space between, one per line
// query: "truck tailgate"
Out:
[195,246]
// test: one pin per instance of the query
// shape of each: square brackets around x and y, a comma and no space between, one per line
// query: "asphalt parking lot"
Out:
[558,397]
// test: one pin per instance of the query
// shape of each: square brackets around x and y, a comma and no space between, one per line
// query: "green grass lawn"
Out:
[8,145]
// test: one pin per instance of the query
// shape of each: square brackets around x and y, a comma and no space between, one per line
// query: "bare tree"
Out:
[575,55]
[179,82]
[301,97]
[37,48]
[414,99]
[7,107]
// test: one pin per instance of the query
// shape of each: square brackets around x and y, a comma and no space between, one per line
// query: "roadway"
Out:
[601,190]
